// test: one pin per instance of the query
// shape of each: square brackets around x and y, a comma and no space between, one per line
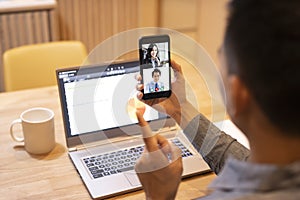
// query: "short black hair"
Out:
[156,71]
[262,46]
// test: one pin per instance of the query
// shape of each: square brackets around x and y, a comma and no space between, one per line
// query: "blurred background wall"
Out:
[93,21]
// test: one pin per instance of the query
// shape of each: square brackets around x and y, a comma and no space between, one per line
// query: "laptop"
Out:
[102,135]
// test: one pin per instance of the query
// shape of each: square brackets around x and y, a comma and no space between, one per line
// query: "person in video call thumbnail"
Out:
[155,85]
[152,56]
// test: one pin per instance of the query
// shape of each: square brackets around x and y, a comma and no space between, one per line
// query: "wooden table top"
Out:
[53,176]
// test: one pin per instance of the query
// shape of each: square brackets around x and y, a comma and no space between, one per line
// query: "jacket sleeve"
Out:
[214,145]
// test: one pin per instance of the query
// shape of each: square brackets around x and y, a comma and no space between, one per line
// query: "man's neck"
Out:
[270,145]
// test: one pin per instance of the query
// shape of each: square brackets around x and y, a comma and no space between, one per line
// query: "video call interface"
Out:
[155,64]
[108,96]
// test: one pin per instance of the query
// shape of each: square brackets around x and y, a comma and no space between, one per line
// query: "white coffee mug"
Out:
[38,130]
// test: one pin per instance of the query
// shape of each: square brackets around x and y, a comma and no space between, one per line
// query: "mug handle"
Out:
[15,138]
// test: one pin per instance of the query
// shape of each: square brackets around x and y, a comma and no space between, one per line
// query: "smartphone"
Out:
[155,66]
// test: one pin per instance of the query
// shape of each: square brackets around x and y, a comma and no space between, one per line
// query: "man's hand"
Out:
[171,105]
[160,167]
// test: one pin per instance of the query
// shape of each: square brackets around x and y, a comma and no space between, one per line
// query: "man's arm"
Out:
[160,166]
[214,145]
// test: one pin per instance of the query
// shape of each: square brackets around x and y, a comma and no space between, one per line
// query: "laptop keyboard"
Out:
[120,161]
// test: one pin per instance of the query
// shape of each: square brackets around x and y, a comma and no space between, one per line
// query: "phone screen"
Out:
[155,66]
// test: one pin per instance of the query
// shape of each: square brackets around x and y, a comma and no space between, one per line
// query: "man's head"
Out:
[261,48]
[156,75]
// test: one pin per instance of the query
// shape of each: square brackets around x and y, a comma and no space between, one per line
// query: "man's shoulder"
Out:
[287,194]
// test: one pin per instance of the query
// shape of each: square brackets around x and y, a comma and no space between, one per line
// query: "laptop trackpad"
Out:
[132,178]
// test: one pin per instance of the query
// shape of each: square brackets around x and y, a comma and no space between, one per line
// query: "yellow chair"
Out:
[33,66]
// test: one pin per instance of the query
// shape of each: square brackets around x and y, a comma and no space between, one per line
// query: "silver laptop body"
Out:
[102,134]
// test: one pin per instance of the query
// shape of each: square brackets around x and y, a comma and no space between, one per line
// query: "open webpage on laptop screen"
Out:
[101,98]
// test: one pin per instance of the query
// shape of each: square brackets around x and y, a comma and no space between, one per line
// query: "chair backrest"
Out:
[33,66]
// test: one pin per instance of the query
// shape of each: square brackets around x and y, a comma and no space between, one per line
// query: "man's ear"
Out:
[239,96]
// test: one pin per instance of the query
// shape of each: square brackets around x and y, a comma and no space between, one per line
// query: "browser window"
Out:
[100,100]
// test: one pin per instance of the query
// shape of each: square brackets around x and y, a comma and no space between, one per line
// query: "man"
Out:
[260,70]
[155,85]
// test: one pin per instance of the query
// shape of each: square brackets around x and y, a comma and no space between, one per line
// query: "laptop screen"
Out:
[95,98]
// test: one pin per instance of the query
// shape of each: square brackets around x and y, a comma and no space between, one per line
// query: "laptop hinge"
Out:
[81,147]
[95,144]
[169,128]
[77,148]
[72,149]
